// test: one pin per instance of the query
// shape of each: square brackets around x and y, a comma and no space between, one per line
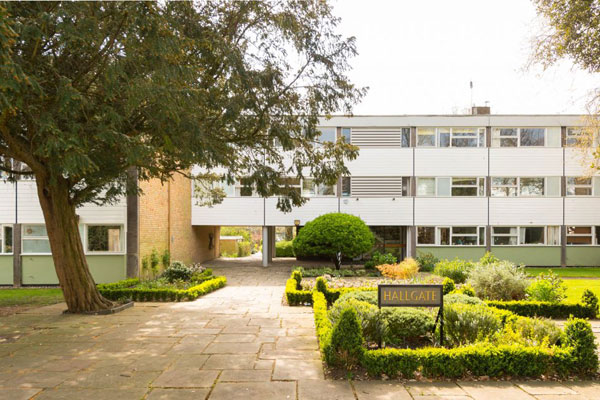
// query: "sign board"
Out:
[410,295]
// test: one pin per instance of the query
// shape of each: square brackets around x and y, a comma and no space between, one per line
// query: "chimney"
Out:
[477,110]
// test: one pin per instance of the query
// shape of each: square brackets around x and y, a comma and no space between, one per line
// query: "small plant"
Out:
[547,287]
[457,269]
[455,297]
[488,258]
[405,270]
[177,271]
[499,281]
[347,340]
[531,332]
[243,248]
[154,261]
[590,299]
[284,248]
[427,262]
[448,285]
[145,265]
[466,324]
[579,335]
[380,258]
[467,289]
[165,259]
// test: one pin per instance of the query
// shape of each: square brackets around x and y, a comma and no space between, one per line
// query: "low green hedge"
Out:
[126,283]
[284,248]
[125,291]
[293,291]
[545,309]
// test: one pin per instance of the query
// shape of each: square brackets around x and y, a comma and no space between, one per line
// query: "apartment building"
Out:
[451,185]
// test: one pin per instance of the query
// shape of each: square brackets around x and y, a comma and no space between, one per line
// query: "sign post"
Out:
[414,296]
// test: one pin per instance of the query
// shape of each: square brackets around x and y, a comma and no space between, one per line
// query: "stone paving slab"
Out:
[380,390]
[254,391]
[186,377]
[331,390]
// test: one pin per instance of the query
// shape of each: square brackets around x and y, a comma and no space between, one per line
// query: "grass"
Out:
[568,272]
[575,288]
[29,297]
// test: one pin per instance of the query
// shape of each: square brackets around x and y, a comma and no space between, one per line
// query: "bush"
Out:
[380,258]
[360,295]
[488,258]
[427,261]
[545,309]
[244,248]
[457,269]
[456,298]
[448,286]
[177,271]
[373,327]
[499,281]
[579,335]
[407,326]
[466,324]
[284,248]
[467,290]
[590,300]
[331,234]
[346,340]
[531,332]
[547,287]
[315,272]
[405,270]
[236,231]
[294,295]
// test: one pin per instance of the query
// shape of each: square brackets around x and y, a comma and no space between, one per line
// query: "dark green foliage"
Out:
[391,362]
[466,324]
[177,271]
[330,234]
[407,325]
[579,335]
[137,294]
[378,258]
[374,326]
[457,297]
[284,248]
[457,269]
[545,309]
[321,285]
[337,273]
[448,286]
[347,340]
[590,300]
[120,284]
[427,261]
[165,259]
[361,295]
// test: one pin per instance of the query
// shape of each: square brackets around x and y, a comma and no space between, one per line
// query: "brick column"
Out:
[17,260]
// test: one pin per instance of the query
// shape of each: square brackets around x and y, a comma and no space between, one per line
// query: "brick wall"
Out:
[165,223]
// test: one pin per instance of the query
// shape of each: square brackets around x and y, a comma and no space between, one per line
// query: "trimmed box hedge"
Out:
[124,290]
[546,309]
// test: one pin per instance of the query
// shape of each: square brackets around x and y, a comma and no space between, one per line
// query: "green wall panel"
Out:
[39,270]
[6,270]
[588,256]
[467,253]
[537,256]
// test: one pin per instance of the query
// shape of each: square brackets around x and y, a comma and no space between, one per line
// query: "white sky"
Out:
[418,57]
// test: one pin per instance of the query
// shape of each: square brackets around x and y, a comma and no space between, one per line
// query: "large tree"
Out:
[89,90]
[572,31]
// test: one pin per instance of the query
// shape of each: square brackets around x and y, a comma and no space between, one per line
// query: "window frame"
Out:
[504,186]
[544,189]
[518,235]
[122,243]
[518,136]
[591,235]
[480,133]
[318,141]
[480,186]
[479,235]
[349,130]
[302,193]
[26,237]
[575,186]
[3,239]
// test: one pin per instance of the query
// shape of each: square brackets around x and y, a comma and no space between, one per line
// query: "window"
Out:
[451,235]
[532,235]
[504,187]
[425,235]
[426,137]
[531,186]
[6,239]
[405,139]
[405,186]
[347,135]
[327,135]
[468,187]
[35,239]
[575,136]
[579,235]
[579,186]
[553,236]
[505,236]
[518,137]
[104,238]
[346,186]
[425,186]
[310,189]
[445,186]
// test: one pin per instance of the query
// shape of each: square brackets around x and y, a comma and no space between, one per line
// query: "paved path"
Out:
[236,343]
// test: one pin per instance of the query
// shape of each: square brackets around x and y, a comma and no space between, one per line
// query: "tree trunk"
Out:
[79,288]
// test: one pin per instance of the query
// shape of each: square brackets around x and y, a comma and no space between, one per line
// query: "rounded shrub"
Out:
[460,298]
[465,323]
[407,326]
[373,328]
[177,271]
[590,299]
[427,261]
[330,234]
[499,281]
[579,336]
[448,285]
[284,248]
[547,287]
[457,269]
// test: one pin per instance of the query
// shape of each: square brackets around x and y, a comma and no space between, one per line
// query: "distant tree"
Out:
[334,235]
[90,90]
[572,31]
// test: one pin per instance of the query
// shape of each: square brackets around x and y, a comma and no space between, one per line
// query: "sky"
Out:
[418,57]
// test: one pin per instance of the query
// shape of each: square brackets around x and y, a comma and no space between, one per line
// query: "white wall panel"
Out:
[525,211]
[577,162]
[244,211]
[382,162]
[313,208]
[379,211]
[7,202]
[582,211]
[451,162]
[450,211]
[526,161]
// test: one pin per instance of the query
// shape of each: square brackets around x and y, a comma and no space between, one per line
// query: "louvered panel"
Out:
[365,137]
[374,186]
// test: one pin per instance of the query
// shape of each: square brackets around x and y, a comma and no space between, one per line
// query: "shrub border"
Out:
[123,290]
[545,309]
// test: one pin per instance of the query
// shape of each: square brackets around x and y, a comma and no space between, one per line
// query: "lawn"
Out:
[575,287]
[568,272]
[14,299]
